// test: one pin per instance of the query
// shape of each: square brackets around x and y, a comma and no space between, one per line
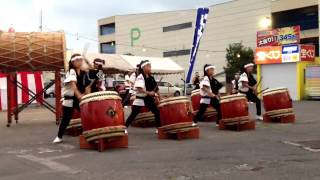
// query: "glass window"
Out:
[306,17]
[108,48]
[176,53]
[177,27]
[107,29]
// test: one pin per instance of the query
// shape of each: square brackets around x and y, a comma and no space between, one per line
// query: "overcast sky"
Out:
[80,16]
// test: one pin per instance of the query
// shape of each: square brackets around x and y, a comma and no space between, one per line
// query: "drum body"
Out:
[175,110]
[234,106]
[101,110]
[195,99]
[275,99]
[42,51]
[210,114]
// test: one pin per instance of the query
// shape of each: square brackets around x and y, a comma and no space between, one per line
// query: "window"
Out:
[177,27]
[306,17]
[107,29]
[176,53]
[108,48]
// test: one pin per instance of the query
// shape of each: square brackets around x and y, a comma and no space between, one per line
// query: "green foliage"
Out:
[237,56]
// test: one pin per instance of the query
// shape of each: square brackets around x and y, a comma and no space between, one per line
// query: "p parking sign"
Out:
[135,35]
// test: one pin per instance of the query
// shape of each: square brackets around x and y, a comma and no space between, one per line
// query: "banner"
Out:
[278,37]
[268,55]
[308,53]
[284,54]
[290,53]
[202,16]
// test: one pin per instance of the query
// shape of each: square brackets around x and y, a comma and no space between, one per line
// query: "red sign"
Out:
[268,55]
[278,37]
[308,53]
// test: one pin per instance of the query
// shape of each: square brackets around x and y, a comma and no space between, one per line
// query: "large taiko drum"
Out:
[145,118]
[102,115]
[22,51]
[176,114]
[234,108]
[210,114]
[277,102]
[75,120]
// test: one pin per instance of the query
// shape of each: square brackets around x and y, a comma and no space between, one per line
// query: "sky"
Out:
[78,18]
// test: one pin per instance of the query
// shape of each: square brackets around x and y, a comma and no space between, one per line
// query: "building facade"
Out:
[170,34]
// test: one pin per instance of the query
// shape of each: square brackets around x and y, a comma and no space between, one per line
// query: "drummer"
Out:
[129,81]
[74,88]
[146,89]
[235,83]
[209,91]
[96,77]
[248,86]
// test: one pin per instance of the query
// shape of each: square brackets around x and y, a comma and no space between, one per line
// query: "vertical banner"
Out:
[202,16]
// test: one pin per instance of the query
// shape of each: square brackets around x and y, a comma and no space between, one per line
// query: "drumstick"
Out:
[262,91]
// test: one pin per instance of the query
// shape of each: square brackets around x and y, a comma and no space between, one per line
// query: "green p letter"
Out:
[135,35]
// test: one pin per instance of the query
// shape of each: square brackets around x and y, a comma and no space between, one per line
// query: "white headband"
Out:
[248,65]
[145,63]
[98,63]
[210,67]
[76,58]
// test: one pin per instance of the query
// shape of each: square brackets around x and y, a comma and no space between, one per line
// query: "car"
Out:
[49,93]
[189,88]
[167,89]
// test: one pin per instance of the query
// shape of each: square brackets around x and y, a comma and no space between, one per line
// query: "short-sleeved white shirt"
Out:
[205,82]
[127,82]
[67,90]
[132,80]
[243,78]
[139,83]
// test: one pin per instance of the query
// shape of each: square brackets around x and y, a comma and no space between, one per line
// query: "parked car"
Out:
[167,89]
[49,93]
[189,88]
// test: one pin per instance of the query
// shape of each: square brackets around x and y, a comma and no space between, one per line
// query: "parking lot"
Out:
[271,152]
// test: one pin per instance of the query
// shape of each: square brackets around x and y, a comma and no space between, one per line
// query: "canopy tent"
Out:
[123,63]
[159,65]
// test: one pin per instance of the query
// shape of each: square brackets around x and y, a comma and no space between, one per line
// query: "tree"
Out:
[237,56]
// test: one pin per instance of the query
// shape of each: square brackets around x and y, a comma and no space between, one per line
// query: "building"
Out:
[170,34]
[288,13]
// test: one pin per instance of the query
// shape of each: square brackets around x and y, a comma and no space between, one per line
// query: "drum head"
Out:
[174,100]
[234,97]
[195,92]
[275,91]
[99,96]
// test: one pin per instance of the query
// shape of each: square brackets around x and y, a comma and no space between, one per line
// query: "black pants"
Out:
[253,98]
[126,99]
[149,103]
[203,107]
[66,118]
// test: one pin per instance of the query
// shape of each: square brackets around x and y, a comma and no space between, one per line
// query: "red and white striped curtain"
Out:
[31,80]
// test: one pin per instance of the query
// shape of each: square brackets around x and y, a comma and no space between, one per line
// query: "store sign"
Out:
[290,53]
[278,37]
[268,55]
[308,53]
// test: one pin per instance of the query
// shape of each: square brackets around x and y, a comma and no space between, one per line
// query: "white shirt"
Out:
[67,90]
[205,82]
[132,80]
[127,81]
[243,78]
[139,83]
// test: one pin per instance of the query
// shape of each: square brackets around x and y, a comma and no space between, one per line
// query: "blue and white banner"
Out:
[199,29]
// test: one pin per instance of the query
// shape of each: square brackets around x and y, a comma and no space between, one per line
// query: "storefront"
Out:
[282,61]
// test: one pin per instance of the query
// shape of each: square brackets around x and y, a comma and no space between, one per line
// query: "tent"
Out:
[122,63]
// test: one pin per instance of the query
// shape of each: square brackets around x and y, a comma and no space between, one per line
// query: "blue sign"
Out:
[202,17]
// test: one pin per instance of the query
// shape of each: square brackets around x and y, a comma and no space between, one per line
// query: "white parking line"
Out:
[49,163]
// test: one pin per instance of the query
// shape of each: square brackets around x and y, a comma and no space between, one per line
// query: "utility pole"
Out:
[40,26]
